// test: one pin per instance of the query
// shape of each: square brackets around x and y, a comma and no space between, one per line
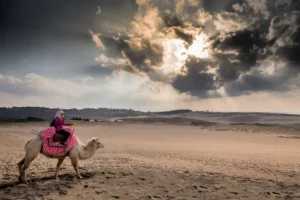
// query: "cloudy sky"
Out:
[221,55]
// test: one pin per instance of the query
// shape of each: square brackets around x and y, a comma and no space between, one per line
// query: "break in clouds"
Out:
[209,48]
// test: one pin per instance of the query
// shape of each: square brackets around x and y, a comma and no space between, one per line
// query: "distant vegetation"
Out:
[80,119]
[76,114]
[48,113]
[28,119]
[174,112]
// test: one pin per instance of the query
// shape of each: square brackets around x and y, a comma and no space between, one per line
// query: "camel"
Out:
[79,152]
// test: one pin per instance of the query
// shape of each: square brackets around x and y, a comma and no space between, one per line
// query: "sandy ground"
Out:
[155,161]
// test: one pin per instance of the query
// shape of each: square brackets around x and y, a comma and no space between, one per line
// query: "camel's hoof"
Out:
[22,181]
[56,178]
[79,177]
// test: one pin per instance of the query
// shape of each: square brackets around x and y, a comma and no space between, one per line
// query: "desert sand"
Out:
[161,161]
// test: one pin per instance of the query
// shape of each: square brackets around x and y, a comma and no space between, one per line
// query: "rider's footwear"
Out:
[61,145]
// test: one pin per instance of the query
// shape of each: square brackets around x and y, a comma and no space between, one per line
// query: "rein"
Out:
[73,126]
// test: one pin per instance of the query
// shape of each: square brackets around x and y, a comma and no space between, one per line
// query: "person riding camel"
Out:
[58,123]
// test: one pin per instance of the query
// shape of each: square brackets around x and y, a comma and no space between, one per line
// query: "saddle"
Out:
[51,141]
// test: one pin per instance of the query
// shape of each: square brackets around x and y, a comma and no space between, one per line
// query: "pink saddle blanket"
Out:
[52,148]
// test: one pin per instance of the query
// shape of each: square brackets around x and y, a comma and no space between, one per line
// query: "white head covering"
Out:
[59,113]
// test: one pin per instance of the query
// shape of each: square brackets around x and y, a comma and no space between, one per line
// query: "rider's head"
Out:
[59,114]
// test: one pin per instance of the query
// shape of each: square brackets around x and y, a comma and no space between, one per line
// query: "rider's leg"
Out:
[65,133]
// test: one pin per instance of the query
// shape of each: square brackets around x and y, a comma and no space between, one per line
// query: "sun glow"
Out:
[176,53]
[199,48]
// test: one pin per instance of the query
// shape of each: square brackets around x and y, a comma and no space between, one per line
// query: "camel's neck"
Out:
[86,152]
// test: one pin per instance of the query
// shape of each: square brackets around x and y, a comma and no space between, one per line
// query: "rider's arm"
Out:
[66,123]
[61,122]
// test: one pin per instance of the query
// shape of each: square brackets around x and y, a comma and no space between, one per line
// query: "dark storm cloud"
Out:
[256,82]
[228,72]
[151,52]
[53,36]
[291,55]
[142,53]
[172,21]
[195,84]
[246,48]
[283,39]
[248,84]
[246,36]
[240,52]
[243,41]
[285,32]
[196,81]
[184,36]
[243,34]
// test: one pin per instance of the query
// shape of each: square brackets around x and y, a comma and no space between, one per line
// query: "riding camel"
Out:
[79,151]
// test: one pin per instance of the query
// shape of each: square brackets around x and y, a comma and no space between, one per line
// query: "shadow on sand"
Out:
[63,177]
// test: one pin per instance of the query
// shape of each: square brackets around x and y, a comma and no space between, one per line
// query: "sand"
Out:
[161,161]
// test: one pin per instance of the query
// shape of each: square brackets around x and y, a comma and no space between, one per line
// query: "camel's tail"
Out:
[35,132]
[27,143]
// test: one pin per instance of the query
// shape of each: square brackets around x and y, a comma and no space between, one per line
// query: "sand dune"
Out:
[161,161]
[248,118]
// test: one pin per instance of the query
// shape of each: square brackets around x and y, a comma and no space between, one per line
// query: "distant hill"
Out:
[48,113]
[92,113]
[43,113]
[173,112]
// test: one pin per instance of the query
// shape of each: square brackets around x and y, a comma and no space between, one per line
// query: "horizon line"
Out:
[205,111]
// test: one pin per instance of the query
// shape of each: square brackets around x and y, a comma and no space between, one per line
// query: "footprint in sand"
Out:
[219,187]
[273,193]
[170,197]
[101,192]
[203,187]
[200,188]
[79,195]
[63,192]
[97,192]
[235,193]
[126,174]
[156,197]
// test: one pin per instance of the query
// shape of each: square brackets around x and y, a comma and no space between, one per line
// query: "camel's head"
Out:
[94,142]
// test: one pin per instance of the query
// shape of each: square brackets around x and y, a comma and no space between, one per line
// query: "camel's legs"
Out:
[60,161]
[74,161]
[20,164]
[29,157]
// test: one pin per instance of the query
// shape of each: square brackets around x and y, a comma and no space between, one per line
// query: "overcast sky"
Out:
[221,55]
